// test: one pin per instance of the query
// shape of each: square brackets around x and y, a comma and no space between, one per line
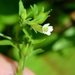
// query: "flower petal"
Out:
[46,25]
[50,28]
[46,29]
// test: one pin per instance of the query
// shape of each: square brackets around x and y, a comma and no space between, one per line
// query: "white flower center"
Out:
[45,29]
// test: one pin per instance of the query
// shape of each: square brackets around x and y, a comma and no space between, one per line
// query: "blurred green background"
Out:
[58,57]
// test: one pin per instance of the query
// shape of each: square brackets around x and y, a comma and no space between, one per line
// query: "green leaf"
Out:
[36,52]
[61,44]
[21,7]
[5,42]
[48,40]
[9,19]
[38,41]
[22,11]
[70,32]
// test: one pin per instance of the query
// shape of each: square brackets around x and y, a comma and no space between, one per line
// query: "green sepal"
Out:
[42,16]
[36,27]
[35,10]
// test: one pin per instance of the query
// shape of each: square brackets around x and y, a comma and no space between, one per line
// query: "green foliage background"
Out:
[58,57]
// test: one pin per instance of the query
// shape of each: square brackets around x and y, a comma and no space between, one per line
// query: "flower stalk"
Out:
[35,24]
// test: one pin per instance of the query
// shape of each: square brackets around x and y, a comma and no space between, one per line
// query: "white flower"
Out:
[47,29]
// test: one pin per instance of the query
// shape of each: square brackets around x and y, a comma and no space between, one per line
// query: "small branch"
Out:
[27,35]
[7,37]
[16,36]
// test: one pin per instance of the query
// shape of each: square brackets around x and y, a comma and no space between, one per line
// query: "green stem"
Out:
[16,36]
[21,64]
[27,35]
[21,55]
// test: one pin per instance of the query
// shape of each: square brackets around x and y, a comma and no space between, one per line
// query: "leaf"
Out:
[9,19]
[70,32]
[7,42]
[61,44]
[48,40]
[21,7]
[36,52]
[38,41]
